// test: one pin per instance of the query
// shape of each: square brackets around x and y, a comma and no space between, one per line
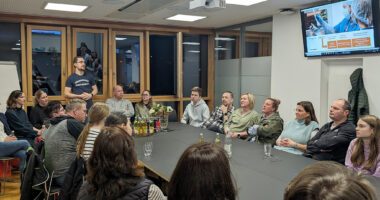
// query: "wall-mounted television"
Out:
[341,28]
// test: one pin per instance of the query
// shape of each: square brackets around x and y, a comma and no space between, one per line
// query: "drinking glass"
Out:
[267,150]
[148,148]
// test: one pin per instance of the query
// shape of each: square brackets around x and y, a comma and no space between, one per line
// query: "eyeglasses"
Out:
[80,61]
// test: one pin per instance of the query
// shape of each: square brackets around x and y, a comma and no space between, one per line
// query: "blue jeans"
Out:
[15,149]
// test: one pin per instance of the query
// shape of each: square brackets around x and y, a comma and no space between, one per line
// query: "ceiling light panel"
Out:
[186,18]
[244,2]
[65,7]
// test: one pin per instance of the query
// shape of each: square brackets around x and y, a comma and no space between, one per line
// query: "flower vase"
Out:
[164,119]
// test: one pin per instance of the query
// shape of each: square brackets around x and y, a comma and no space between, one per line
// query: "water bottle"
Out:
[201,138]
[227,145]
[217,139]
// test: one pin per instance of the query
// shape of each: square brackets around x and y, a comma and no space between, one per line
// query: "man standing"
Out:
[197,111]
[221,113]
[332,140]
[81,85]
[118,104]
[61,139]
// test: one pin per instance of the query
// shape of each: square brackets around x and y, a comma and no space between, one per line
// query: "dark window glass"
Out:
[195,63]
[251,49]
[163,64]
[46,61]
[90,47]
[10,45]
[128,63]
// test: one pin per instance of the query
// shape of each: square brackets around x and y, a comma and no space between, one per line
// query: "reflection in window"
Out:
[195,63]
[163,64]
[128,63]
[89,46]
[46,61]
[225,47]
[10,45]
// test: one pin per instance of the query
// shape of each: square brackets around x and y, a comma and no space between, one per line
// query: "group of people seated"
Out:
[102,138]
[339,140]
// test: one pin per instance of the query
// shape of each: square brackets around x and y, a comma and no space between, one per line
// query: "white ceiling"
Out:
[155,11]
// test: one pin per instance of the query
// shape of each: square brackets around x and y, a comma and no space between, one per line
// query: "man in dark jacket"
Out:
[61,138]
[332,140]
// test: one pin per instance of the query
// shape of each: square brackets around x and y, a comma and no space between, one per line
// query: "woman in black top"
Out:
[37,115]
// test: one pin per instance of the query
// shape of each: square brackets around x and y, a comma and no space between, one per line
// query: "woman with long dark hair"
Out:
[18,119]
[114,172]
[142,108]
[299,131]
[202,173]
[363,154]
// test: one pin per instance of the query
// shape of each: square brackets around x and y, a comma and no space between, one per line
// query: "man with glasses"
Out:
[81,85]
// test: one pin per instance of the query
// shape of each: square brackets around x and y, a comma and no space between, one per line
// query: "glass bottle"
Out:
[227,145]
[217,139]
[201,138]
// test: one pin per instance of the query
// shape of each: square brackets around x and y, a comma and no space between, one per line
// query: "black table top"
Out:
[256,177]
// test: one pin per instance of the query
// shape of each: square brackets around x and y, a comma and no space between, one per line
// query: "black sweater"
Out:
[37,116]
[19,122]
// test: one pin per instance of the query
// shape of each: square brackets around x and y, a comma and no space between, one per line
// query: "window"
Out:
[46,59]
[195,63]
[128,61]
[163,64]
[91,44]
[226,47]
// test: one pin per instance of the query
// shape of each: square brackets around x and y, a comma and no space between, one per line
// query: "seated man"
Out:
[332,140]
[221,113]
[197,111]
[118,104]
[61,139]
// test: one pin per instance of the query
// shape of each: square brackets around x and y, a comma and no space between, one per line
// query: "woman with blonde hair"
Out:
[37,114]
[242,118]
[97,116]
[363,154]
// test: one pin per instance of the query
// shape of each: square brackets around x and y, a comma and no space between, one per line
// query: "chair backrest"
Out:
[3,120]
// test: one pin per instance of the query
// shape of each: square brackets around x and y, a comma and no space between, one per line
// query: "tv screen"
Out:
[341,28]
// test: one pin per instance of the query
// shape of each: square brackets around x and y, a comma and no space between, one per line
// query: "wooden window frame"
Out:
[105,63]
[137,96]
[29,63]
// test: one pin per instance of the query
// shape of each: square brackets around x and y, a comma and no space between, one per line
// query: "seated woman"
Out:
[202,173]
[11,147]
[299,131]
[363,154]
[329,180]
[37,115]
[242,118]
[113,171]
[96,117]
[142,108]
[120,120]
[270,125]
[18,119]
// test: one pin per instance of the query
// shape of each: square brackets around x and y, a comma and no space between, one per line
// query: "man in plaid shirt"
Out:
[221,113]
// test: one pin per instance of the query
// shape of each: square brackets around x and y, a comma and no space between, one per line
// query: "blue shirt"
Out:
[297,131]
[80,84]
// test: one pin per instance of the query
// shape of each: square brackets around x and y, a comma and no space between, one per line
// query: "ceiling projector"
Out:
[207,4]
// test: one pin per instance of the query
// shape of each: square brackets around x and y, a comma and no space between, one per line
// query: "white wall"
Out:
[296,78]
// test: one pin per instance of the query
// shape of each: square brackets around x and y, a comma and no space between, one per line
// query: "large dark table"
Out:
[256,177]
